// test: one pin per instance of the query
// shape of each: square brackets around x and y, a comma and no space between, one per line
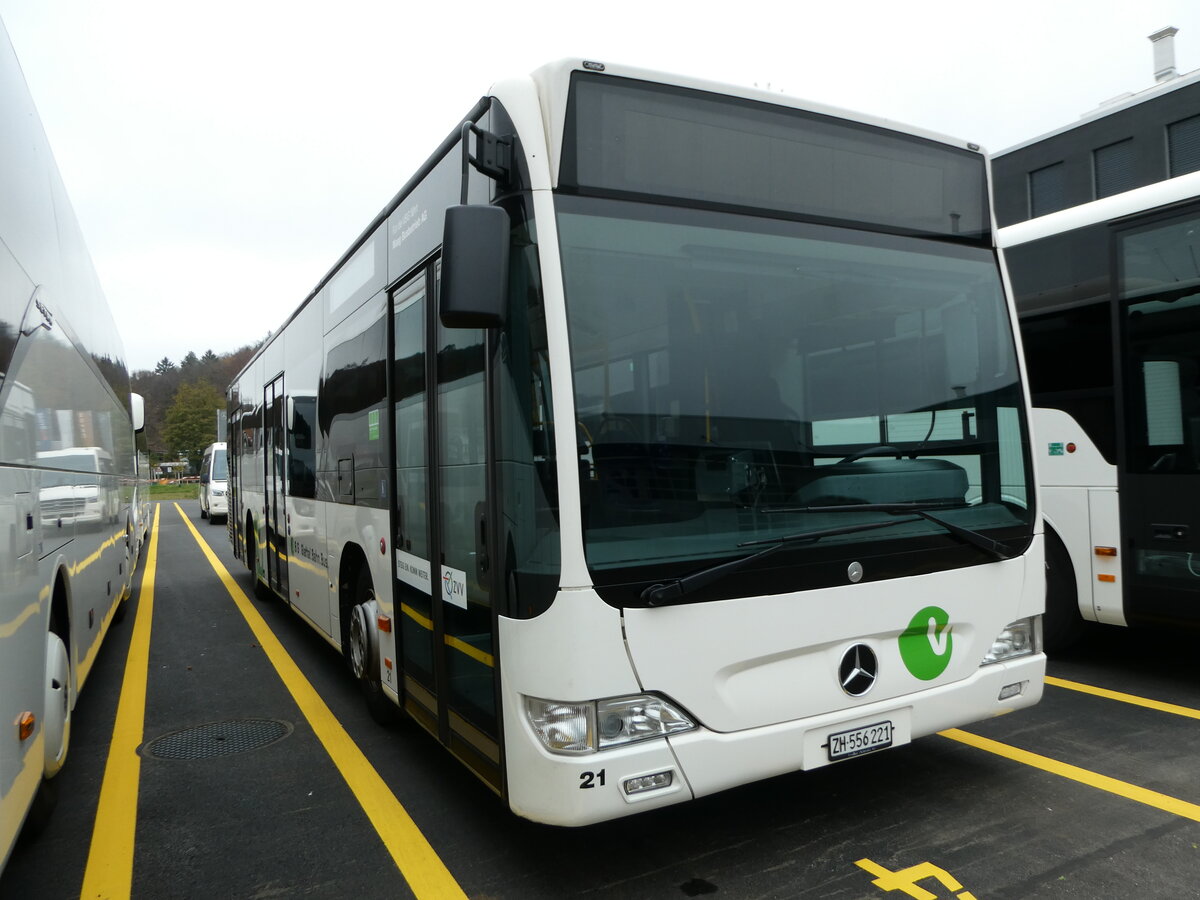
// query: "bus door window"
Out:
[464,576]
[273,436]
[409,415]
[1160,282]
[1159,307]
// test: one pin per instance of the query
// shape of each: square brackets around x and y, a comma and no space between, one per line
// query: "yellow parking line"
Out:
[1083,776]
[109,872]
[1124,698]
[418,862]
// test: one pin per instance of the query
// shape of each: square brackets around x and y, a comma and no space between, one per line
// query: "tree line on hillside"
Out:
[182,401]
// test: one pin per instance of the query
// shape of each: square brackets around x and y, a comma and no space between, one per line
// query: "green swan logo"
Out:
[927,644]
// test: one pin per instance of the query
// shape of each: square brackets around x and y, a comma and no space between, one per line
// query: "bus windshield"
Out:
[740,380]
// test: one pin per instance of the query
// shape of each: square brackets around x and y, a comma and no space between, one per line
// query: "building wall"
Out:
[1145,121]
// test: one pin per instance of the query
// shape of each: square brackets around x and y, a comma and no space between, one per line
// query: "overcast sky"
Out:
[222,155]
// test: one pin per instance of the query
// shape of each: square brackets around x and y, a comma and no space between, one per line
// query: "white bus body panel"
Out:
[759,674]
[1080,502]
[310,584]
[23,625]
[757,661]
[61,520]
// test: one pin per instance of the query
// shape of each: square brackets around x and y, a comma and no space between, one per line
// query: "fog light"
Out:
[1011,690]
[649,782]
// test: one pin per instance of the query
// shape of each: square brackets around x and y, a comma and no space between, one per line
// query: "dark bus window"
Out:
[302,448]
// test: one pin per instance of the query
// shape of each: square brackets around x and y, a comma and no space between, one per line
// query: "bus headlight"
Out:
[573,728]
[1020,638]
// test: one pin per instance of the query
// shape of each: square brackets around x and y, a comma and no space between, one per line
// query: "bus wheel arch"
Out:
[1062,624]
[58,682]
[130,564]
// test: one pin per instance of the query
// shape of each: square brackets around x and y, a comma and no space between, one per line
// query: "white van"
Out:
[214,483]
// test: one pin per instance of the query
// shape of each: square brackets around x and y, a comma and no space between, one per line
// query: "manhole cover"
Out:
[217,739]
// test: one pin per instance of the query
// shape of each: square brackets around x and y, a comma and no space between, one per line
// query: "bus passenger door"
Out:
[1159,308]
[443,570]
[275,514]
[464,587]
[413,612]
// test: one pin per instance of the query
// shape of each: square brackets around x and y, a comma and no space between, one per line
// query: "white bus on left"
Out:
[68,465]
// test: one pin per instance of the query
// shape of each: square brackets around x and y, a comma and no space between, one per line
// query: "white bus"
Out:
[214,483]
[657,437]
[68,542]
[1108,294]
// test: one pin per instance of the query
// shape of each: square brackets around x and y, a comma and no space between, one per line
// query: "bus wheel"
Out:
[57,708]
[1062,625]
[362,650]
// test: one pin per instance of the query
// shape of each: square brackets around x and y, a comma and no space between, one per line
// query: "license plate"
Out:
[857,741]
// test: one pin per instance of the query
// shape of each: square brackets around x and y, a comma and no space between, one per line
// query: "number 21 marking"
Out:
[588,780]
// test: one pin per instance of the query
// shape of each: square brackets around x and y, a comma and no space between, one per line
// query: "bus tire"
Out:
[362,650]
[1062,625]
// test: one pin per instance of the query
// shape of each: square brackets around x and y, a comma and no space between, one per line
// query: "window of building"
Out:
[1113,168]
[1183,146]
[1047,190]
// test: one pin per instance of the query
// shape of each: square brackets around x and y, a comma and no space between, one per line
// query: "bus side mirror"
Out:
[137,409]
[474,267]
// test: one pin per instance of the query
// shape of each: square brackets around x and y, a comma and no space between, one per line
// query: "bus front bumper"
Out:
[580,790]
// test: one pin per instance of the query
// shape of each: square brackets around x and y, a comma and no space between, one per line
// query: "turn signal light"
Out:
[1106,551]
[25,723]
[385,624]
[1107,579]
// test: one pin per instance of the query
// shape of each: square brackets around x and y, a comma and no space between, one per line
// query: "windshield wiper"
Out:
[673,591]
[993,548]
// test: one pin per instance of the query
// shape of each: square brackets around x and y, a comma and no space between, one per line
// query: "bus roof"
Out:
[1107,209]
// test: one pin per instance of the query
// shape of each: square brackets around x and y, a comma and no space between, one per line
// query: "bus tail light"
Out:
[599,725]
